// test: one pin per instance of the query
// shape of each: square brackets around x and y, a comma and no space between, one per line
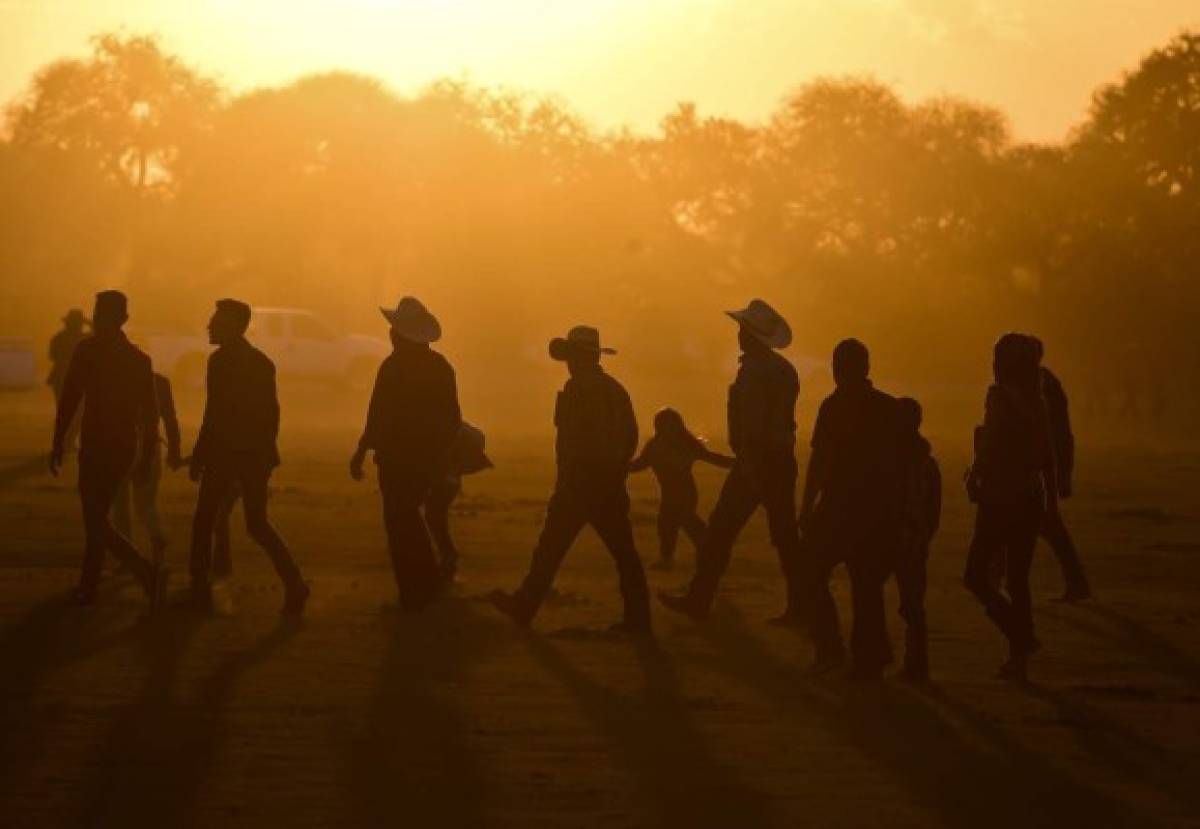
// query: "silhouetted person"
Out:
[1013,481]
[1054,530]
[466,457]
[412,421]
[849,511]
[143,491]
[62,346]
[114,382]
[597,436]
[920,516]
[670,454]
[762,434]
[237,447]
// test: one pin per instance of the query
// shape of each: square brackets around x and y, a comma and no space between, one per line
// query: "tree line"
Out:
[923,228]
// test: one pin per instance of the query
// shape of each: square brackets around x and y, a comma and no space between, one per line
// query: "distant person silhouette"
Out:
[62,346]
[762,434]
[237,447]
[849,511]
[920,516]
[1054,530]
[597,437]
[670,454]
[1014,483]
[114,382]
[412,422]
[143,491]
[466,457]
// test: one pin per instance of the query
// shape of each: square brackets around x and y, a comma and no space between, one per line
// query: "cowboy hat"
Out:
[412,321]
[765,323]
[582,339]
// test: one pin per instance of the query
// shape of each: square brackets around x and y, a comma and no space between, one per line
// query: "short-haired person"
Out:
[237,447]
[114,382]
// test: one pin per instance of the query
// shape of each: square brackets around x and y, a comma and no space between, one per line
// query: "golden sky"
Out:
[629,61]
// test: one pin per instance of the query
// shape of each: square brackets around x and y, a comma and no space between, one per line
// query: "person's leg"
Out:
[414,563]
[91,500]
[254,504]
[668,534]
[104,478]
[987,542]
[1021,543]
[739,498]
[869,642]
[145,503]
[609,515]
[437,517]
[122,512]
[1054,530]
[779,499]
[565,517]
[222,554]
[694,527]
[820,554]
[214,487]
[911,581]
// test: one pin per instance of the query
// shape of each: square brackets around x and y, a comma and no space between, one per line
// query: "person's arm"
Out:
[935,497]
[170,421]
[752,406]
[814,475]
[369,437]
[68,404]
[212,392]
[629,427]
[148,411]
[716,458]
[642,461]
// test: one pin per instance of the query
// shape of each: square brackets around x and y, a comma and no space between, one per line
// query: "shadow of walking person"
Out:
[159,752]
[412,764]
[931,756]
[653,736]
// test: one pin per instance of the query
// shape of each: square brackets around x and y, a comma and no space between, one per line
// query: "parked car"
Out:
[300,343]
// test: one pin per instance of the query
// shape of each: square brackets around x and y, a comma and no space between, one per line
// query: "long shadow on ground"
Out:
[928,754]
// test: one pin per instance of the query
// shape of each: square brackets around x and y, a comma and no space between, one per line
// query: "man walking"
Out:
[850,510]
[237,446]
[114,382]
[412,422]
[597,437]
[762,434]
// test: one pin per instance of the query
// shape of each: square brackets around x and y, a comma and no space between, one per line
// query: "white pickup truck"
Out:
[302,346]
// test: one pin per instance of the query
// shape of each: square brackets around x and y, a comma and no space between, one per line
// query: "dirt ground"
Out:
[360,717]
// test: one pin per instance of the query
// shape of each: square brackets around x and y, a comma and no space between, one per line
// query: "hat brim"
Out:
[422,331]
[780,338]
[563,349]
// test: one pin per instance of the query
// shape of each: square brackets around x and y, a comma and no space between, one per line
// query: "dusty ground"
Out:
[360,717]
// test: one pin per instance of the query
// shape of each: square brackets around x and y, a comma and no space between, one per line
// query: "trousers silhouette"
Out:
[605,506]
[772,486]
[437,518]
[1009,530]
[414,565]
[99,480]
[215,486]
[139,496]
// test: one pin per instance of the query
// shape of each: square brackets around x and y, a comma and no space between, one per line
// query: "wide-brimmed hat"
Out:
[582,339]
[765,323]
[412,321]
[76,315]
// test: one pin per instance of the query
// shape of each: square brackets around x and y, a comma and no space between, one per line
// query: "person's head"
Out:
[580,349]
[411,324]
[910,415]
[111,311]
[1015,362]
[851,363]
[667,421]
[760,327]
[1039,349]
[74,320]
[229,321]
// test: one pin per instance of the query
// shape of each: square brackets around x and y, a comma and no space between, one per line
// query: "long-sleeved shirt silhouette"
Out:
[856,452]
[166,413]
[597,429]
[241,414]
[414,414]
[762,405]
[1014,449]
[114,381]
[671,457]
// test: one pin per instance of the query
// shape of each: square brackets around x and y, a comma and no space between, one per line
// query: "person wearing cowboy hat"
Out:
[113,381]
[597,436]
[762,435]
[237,447]
[412,421]
[62,346]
